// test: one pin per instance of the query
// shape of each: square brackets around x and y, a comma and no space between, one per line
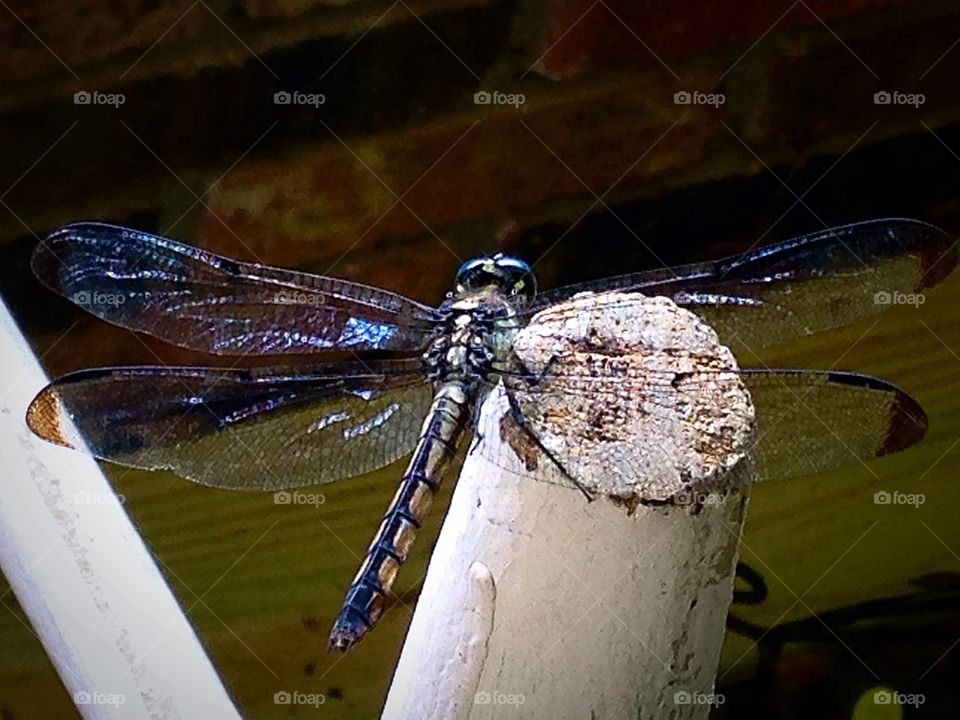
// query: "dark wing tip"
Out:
[52,254]
[55,246]
[906,419]
[907,423]
[46,259]
[937,251]
[47,418]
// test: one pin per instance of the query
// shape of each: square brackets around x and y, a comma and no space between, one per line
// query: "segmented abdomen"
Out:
[436,447]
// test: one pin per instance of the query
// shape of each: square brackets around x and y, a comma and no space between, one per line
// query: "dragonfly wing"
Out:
[811,421]
[261,429]
[801,286]
[206,302]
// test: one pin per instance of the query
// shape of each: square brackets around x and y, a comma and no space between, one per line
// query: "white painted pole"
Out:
[80,570]
[538,604]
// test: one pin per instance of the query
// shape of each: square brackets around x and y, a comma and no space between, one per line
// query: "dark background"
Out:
[398,176]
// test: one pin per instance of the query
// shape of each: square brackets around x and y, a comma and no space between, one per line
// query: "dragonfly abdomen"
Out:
[436,447]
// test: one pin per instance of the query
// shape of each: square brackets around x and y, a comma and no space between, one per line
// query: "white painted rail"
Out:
[80,570]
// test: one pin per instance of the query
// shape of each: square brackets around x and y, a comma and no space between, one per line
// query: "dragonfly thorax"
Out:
[475,336]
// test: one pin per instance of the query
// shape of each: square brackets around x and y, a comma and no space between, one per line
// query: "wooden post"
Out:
[80,570]
[539,603]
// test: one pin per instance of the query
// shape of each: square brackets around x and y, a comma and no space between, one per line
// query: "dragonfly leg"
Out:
[516,414]
[477,433]
[515,411]
[543,373]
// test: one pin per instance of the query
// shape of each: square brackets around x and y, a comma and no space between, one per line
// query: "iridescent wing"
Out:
[808,421]
[797,287]
[259,429]
[206,302]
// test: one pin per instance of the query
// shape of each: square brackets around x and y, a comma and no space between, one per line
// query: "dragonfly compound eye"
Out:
[509,274]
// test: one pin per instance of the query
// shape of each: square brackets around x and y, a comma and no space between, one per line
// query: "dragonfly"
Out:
[419,372]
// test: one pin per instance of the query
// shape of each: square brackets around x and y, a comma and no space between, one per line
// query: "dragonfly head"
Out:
[509,274]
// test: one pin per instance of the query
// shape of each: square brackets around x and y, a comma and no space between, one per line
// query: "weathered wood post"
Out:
[539,602]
